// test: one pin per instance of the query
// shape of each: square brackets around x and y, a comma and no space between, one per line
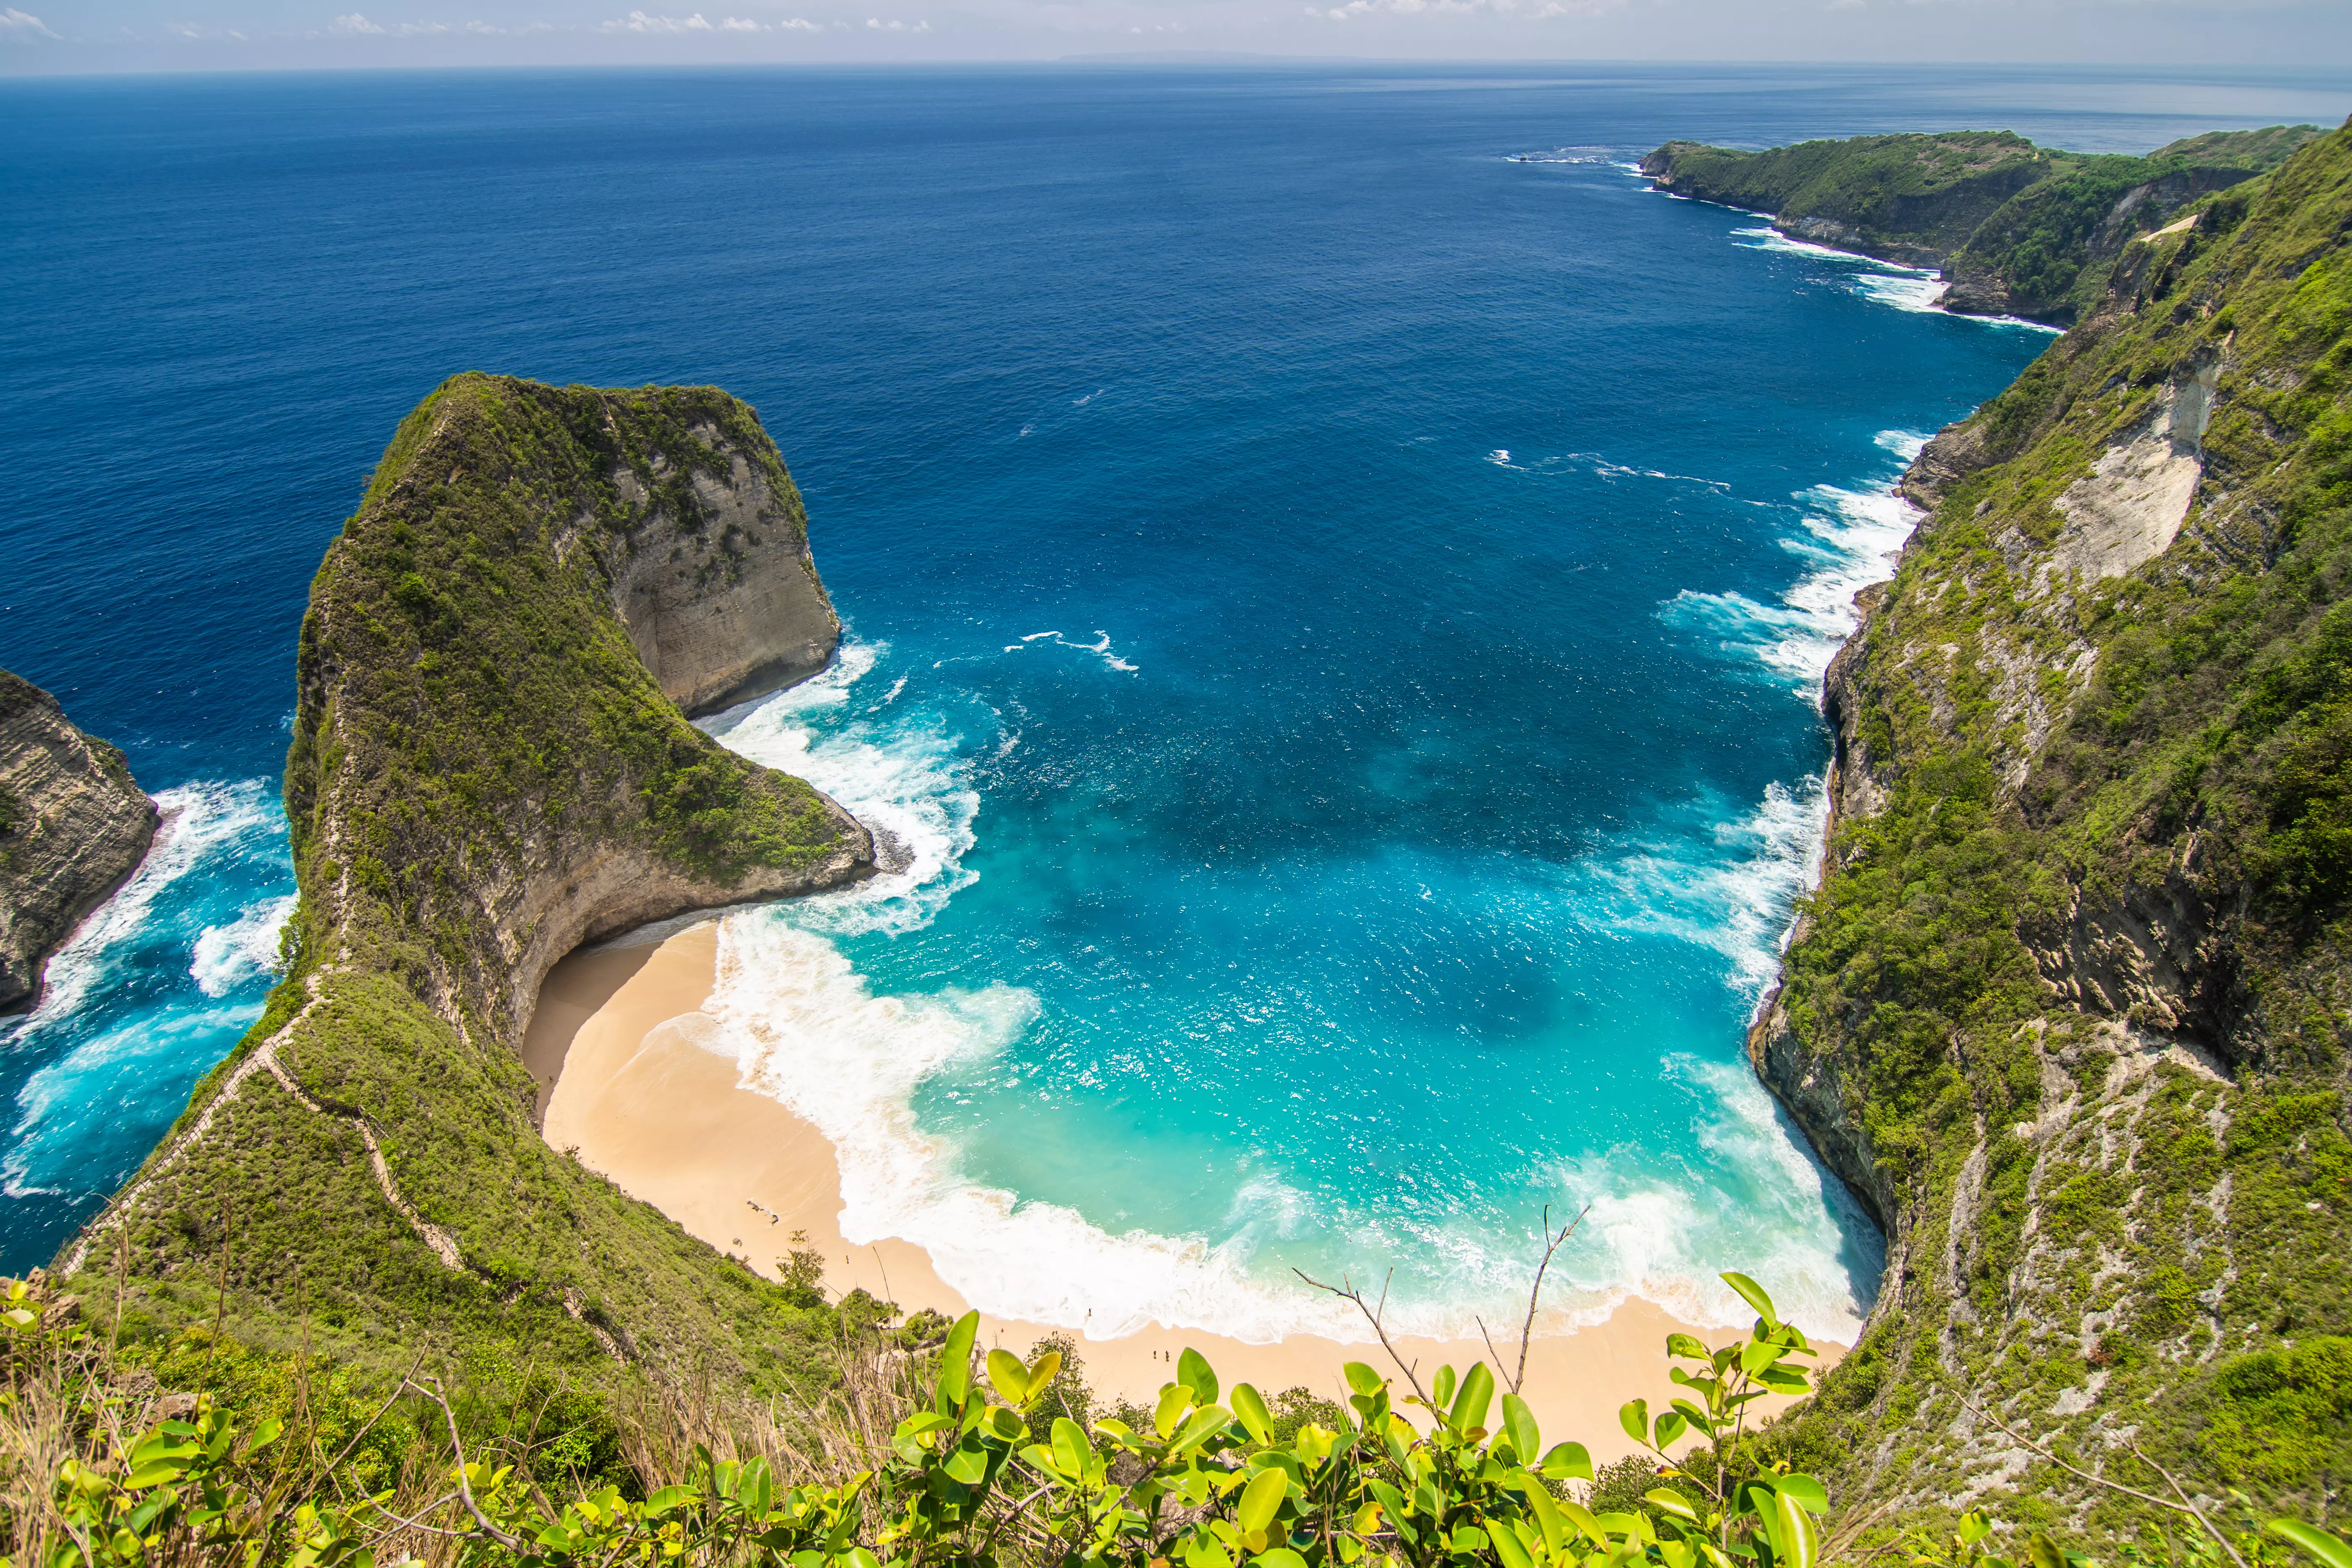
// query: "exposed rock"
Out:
[73,827]
[2129,508]
[719,594]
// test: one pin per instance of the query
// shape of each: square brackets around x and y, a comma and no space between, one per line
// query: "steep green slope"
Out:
[2018,229]
[2072,1006]
[483,774]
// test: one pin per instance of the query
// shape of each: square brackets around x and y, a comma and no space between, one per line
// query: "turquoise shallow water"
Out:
[1334,613]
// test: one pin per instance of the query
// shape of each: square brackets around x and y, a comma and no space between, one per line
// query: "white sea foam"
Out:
[900,777]
[1851,537]
[1733,897]
[228,955]
[199,821]
[809,1031]
[1660,1234]
[1100,648]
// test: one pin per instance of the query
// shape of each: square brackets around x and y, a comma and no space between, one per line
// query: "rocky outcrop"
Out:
[718,590]
[73,827]
[2071,1011]
[489,766]
[2016,229]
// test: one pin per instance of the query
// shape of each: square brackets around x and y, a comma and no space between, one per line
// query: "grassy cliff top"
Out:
[2082,964]
[482,772]
[2021,228]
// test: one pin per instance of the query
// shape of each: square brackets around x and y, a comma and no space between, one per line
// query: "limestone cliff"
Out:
[2071,1010]
[73,827]
[486,772]
[2015,229]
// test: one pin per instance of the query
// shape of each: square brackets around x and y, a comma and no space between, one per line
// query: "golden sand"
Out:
[626,1086]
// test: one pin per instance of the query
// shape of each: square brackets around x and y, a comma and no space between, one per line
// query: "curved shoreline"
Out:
[627,1087]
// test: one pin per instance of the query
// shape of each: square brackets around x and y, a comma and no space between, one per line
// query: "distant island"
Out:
[2017,229]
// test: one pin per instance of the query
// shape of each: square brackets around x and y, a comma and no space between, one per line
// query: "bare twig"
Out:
[2183,1506]
[1551,1244]
[513,1543]
[1347,1291]
[2194,1511]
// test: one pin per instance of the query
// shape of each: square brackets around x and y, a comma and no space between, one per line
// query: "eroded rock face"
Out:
[718,591]
[73,827]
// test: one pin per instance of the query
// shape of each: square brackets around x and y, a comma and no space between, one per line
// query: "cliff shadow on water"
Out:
[492,764]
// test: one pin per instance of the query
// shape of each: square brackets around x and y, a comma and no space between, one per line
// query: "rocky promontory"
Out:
[2015,229]
[491,764]
[73,827]
[2069,1010]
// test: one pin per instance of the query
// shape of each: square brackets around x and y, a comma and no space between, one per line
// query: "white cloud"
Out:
[880,25]
[1536,10]
[639,22]
[356,24]
[13,22]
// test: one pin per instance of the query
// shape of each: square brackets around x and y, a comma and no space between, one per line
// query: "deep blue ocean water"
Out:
[1334,611]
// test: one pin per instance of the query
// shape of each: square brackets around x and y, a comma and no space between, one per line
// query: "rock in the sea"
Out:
[73,827]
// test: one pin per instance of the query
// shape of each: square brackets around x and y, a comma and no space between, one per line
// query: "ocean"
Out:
[1336,572]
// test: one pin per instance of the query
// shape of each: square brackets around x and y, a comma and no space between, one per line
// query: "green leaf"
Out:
[1577,1514]
[1442,1389]
[1261,1500]
[1814,1496]
[1566,1462]
[1279,1557]
[1070,1446]
[1173,1399]
[1508,1547]
[1634,1416]
[1203,1552]
[1011,1378]
[1253,1412]
[2315,1543]
[1665,1500]
[1363,1379]
[1477,1394]
[955,1359]
[1798,1545]
[1202,1425]
[1519,1426]
[1192,1371]
[1684,1345]
[967,1463]
[2043,1552]
[668,1497]
[1753,1294]
[1548,1519]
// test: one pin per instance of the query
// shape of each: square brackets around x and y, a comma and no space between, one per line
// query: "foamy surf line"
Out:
[807,1030]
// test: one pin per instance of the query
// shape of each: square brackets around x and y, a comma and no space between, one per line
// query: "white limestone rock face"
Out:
[724,605]
[2128,510]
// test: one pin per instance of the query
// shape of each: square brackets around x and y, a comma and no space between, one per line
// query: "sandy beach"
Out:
[627,1084]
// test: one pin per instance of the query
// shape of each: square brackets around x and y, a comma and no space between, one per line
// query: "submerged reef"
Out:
[2015,228]
[73,827]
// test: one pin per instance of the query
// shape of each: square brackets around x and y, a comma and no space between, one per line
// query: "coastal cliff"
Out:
[2072,1008]
[490,766]
[2016,229]
[73,827]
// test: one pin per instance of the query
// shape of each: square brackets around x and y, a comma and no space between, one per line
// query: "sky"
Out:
[41,37]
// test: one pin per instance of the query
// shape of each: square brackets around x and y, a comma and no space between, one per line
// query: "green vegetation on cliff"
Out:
[2073,1003]
[2018,228]
[483,774]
